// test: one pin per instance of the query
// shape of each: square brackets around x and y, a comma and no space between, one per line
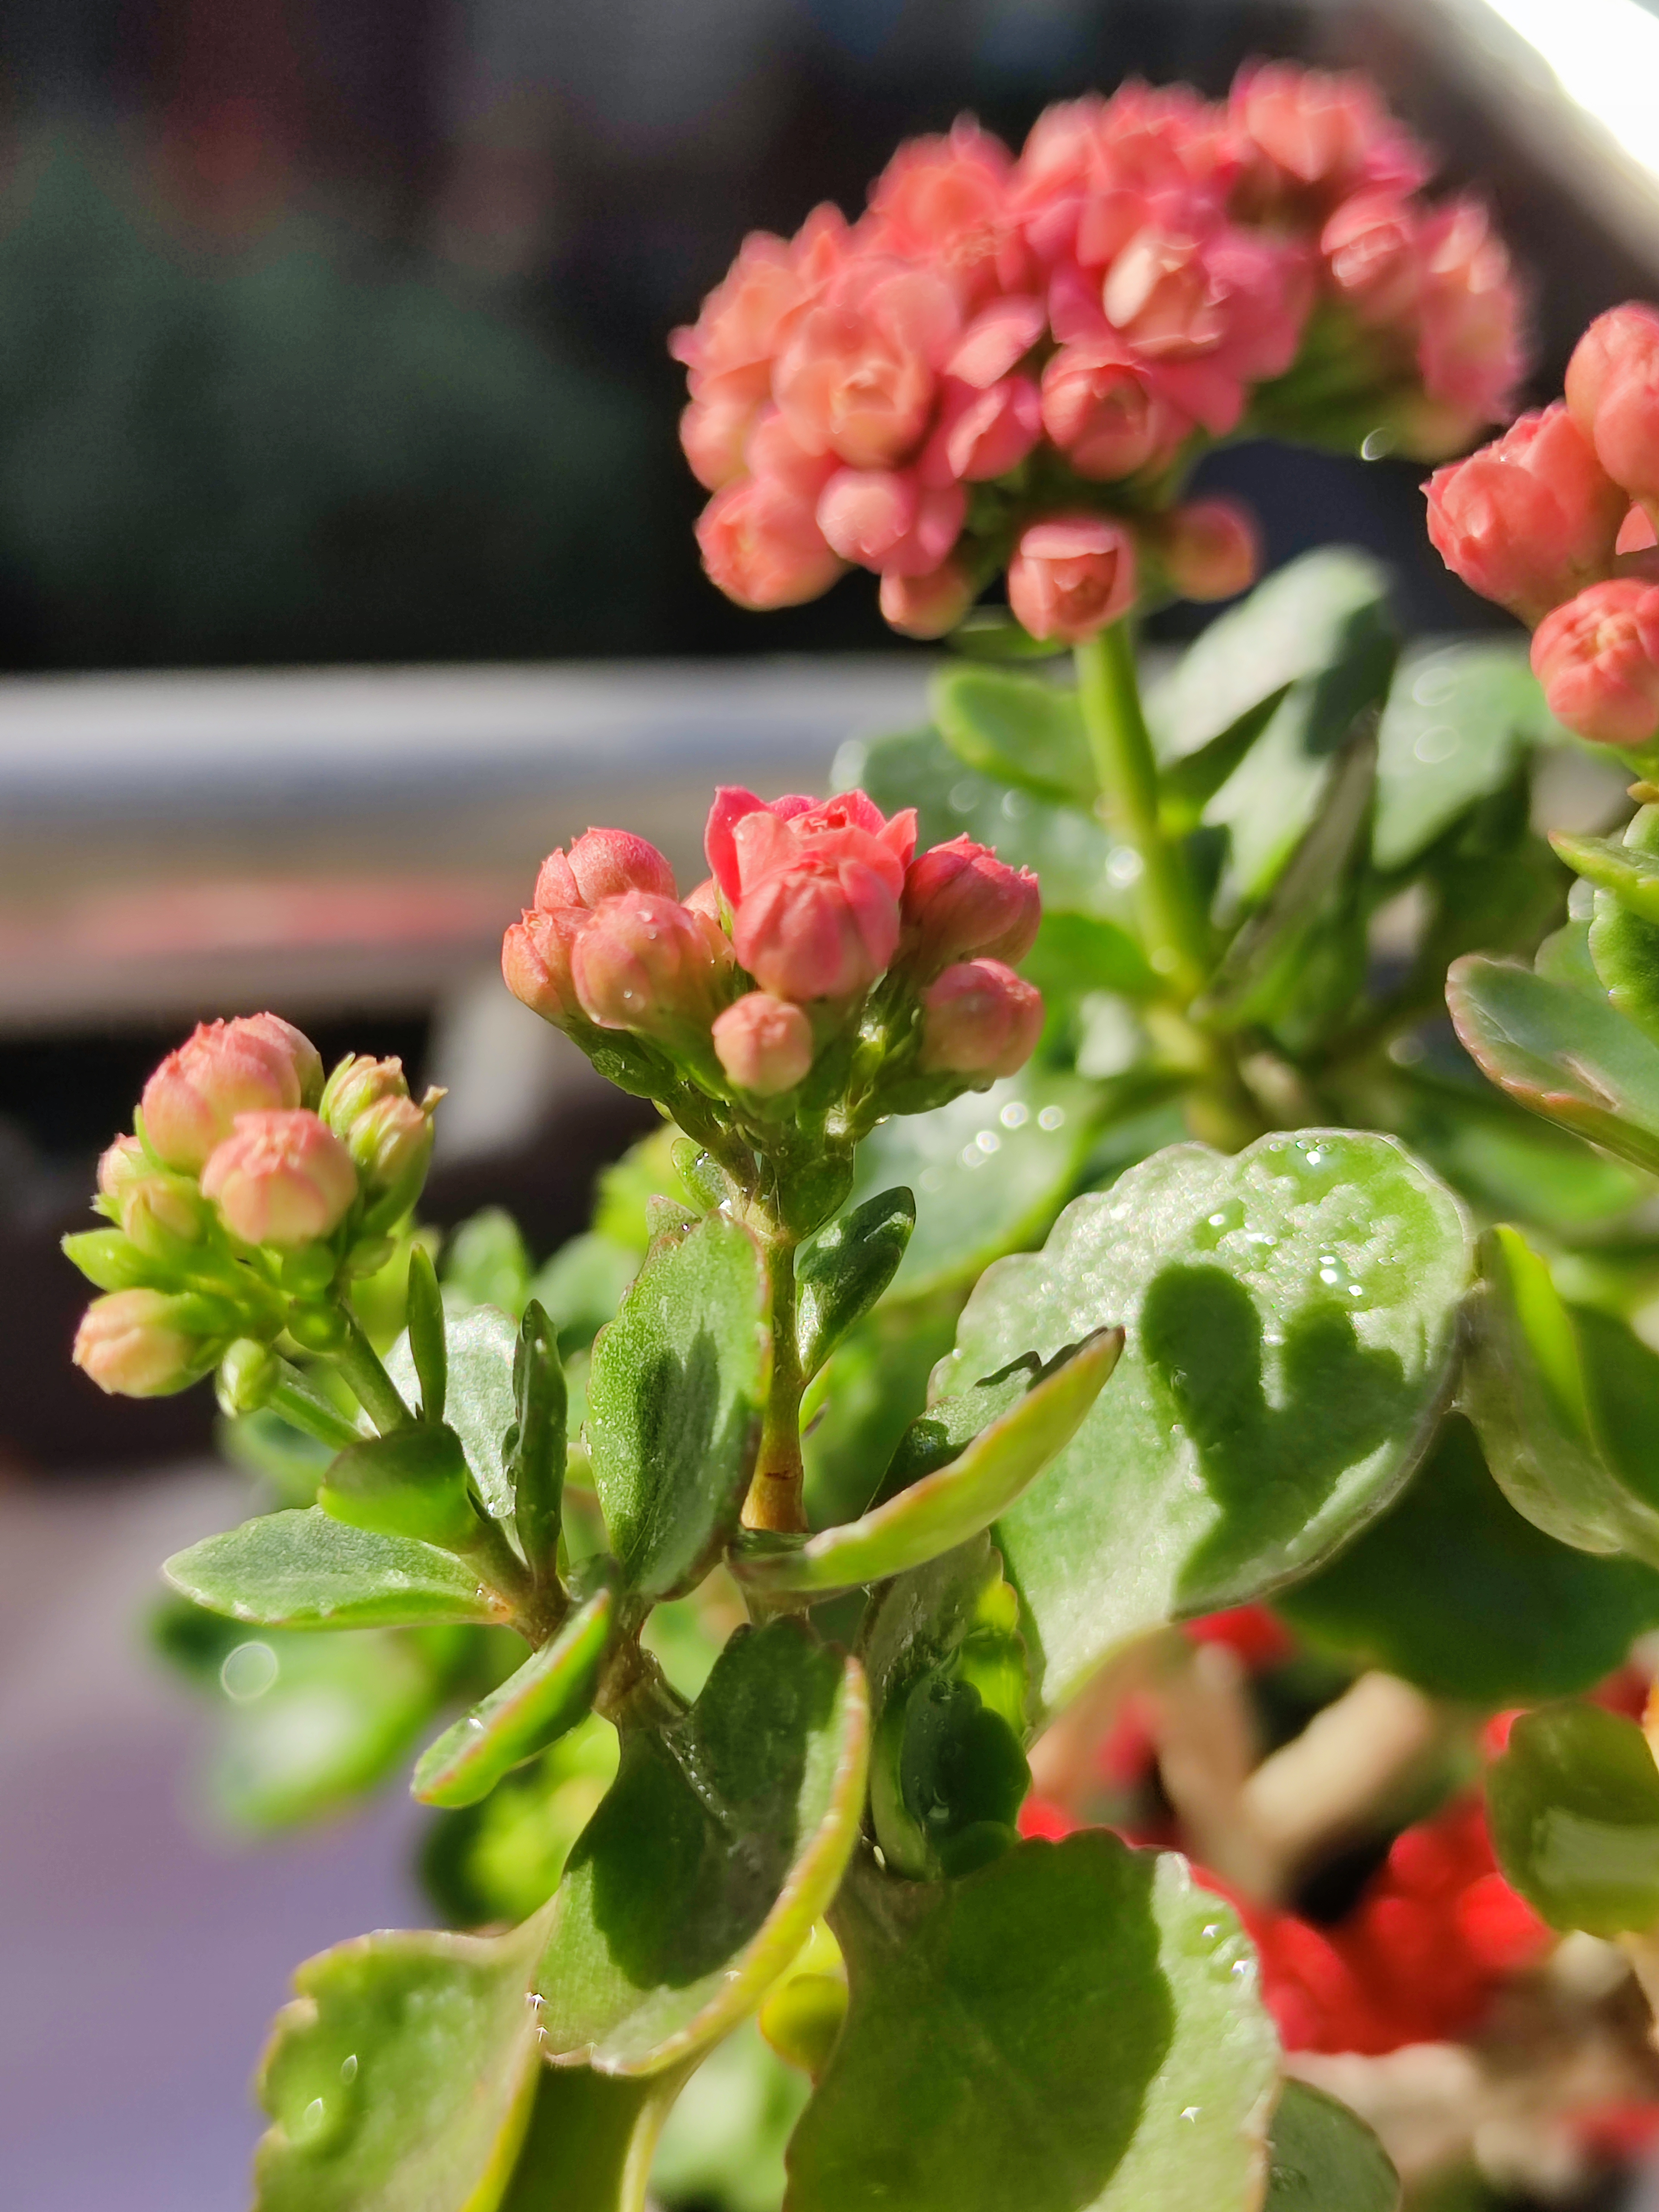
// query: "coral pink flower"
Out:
[1469,351]
[814,888]
[943,201]
[760,544]
[858,378]
[764,1044]
[959,899]
[1623,340]
[536,954]
[1636,534]
[979,1018]
[1103,414]
[601,864]
[748,317]
[131,1345]
[1071,576]
[1531,519]
[886,518]
[223,1069]
[713,433]
[982,434]
[1324,130]
[283,1179]
[1210,548]
[1597,658]
[998,340]
[1092,170]
[1373,254]
[927,606]
[1627,422]
[647,963]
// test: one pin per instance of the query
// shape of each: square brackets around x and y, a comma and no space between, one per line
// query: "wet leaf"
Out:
[1073,2028]
[478,1401]
[549,1694]
[1574,1807]
[536,1462]
[845,1269]
[1623,941]
[411,1482]
[303,1570]
[1324,2158]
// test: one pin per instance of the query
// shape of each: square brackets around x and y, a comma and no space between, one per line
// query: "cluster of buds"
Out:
[1012,363]
[822,975]
[248,1188]
[1556,520]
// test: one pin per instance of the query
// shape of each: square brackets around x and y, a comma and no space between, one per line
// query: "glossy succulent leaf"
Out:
[1631,873]
[1548,1391]
[1574,1807]
[1020,729]
[411,1482]
[942,1648]
[1454,1590]
[845,1269]
[944,1508]
[549,1694]
[1324,2158]
[302,1569]
[1623,941]
[673,1405]
[1457,720]
[1506,1159]
[539,1439]
[1560,1053]
[401,2076]
[1075,2025]
[722,1839]
[426,1348]
[479,1346]
[1291,1318]
[498,1862]
[988,1172]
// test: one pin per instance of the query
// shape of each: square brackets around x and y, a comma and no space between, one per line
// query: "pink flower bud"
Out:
[1623,341]
[745,838]
[223,1069]
[604,863]
[926,606]
[982,434]
[762,545]
[1597,658]
[858,376]
[283,1179]
[646,963]
[122,1164]
[764,1044]
[979,1018]
[705,899]
[162,1215]
[1470,349]
[998,340]
[959,899]
[1102,413]
[130,1344]
[356,1085]
[1322,129]
[1210,548]
[536,960]
[713,432]
[1636,534]
[1372,248]
[1071,576]
[884,519]
[1627,423]
[1530,518]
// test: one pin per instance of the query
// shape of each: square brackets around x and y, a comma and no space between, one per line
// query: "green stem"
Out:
[775,1500]
[1173,925]
[305,1409]
[373,1389]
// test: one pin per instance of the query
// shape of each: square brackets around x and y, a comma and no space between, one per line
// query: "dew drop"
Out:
[988,1141]
[1191,2112]
[313,2120]
[248,1671]
[1052,1117]
[1376,444]
[349,2068]
[1015,1114]
[1437,744]
[1124,867]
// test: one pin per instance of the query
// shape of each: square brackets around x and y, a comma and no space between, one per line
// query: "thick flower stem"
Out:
[775,1500]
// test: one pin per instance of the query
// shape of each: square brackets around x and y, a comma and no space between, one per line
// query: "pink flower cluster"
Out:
[1008,362]
[1556,521]
[809,904]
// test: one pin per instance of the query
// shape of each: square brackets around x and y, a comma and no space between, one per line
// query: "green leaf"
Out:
[1574,1807]
[536,1464]
[1457,720]
[1075,2025]
[674,1405]
[992,634]
[862,1403]
[485,1262]
[411,1482]
[500,1860]
[988,1172]
[400,2079]
[723,2144]
[1454,1590]
[844,1270]
[943,1642]
[1019,729]
[480,1345]
[549,1694]
[1324,2158]
[305,1570]
[1507,1160]
[582,1285]
[1623,943]
[723,1838]
[1559,1054]
[426,1333]
[1628,871]
[1078,952]
[944,1508]
[1291,1318]
[1550,1425]
[590,2142]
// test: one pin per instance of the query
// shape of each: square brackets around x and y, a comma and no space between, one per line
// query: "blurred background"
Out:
[345,566]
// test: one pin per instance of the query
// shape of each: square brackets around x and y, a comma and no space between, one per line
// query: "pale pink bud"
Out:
[283,1179]
[1625,340]
[1210,548]
[713,432]
[390,1143]
[646,963]
[959,899]
[161,1214]
[1071,576]
[1373,254]
[130,1344]
[292,1045]
[1102,414]
[1636,534]
[764,1044]
[998,340]
[858,376]
[1530,518]
[749,314]
[223,1069]
[762,545]
[982,434]
[884,519]
[535,961]
[979,1018]
[943,202]
[1597,658]
[122,1164]
[926,606]
[604,863]
[774,453]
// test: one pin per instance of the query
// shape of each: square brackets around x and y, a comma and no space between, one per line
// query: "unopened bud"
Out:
[133,1344]
[535,961]
[605,863]
[1531,517]
[929,605]
[248,1374]
[357,1083]
[979,1018]
[281,1179]
[1622,343]
[392,1147]
[960,899]
[764,1044]
[1071,576]
[1597,658]
[256,1064]
[163,1216]
[123,1163]
[1210,548]
[649,964]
